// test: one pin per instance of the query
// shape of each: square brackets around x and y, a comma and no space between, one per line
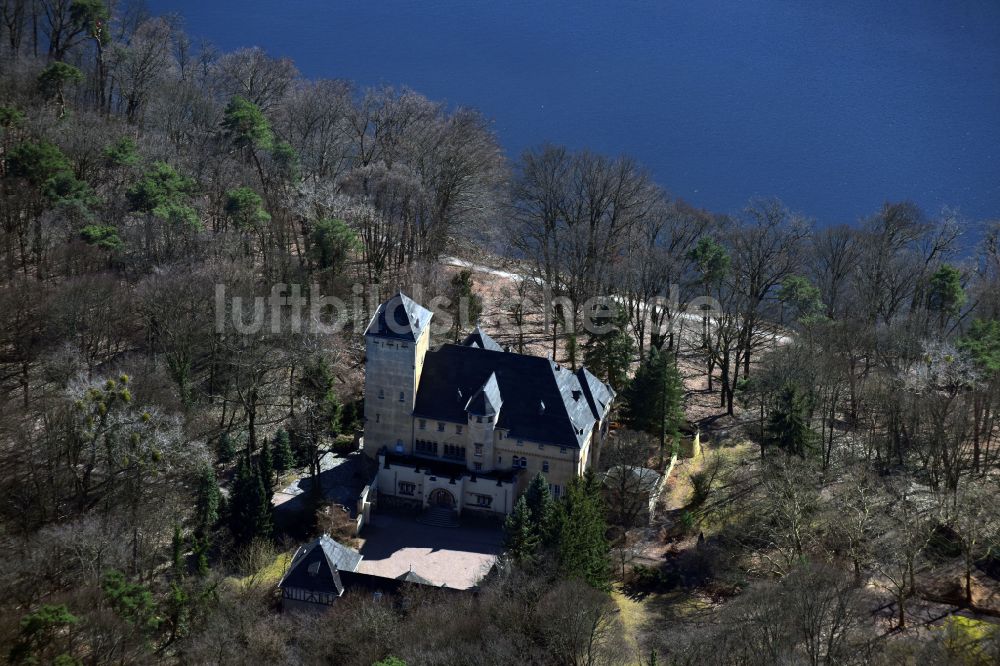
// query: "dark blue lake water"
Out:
[832,106]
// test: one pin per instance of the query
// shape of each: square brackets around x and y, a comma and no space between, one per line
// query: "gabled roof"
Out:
[486,401]
[400,318]
[542,401]
[318,564]
[478,338]
[413,577]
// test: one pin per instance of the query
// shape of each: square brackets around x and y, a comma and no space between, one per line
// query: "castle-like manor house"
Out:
[466,426]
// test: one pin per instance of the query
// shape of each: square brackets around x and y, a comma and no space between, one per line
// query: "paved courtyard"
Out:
[455,556]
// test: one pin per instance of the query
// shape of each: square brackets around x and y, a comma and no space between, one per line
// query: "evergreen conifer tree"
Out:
[610,354]
[207,499]
[582,547]
[654,400]
[542,507]
[249,509]
[284,458]
[521,539]
[265,466]
[225,448]
[788,427]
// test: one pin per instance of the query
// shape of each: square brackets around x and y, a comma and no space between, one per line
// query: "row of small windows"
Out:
[407,488]
[484,500]
[456,452]
[422,424]
[522,462]
[431,448]
[541,447]
[392,345]
[381,395]
[423,446]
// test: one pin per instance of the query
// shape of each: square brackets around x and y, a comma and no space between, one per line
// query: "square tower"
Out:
[396,341]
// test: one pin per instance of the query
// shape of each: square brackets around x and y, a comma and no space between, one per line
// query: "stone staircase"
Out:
[438,516]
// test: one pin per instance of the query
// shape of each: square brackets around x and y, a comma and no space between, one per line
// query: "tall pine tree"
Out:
[654,400]
[542,508]
[249,508]
[521,539]
[207,498]
[788,425]
[610,354]
[284,458]
[583,548]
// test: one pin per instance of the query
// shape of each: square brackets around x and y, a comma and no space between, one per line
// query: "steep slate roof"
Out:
[599,395]
[487,400]
[478,338]
[399,318]
[317,566]
[542,401]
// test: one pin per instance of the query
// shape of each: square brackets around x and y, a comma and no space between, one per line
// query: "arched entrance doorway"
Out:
[441,497]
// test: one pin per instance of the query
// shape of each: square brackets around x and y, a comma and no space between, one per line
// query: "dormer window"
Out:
[440,426]
[458,430]
[479,419]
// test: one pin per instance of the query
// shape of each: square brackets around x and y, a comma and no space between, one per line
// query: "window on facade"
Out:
[378,418]
[520,442]
[425,447]
[484,500]
[458,430]
[455,452]
[407,488]
[401,396]
[499,459]
[479,450]
[381,394]
[489,419]
[440,427]
[541,447]
[554,488]
[545,465]
[562,450]
[478,467]
[479,419]
[423,424]
[403,345]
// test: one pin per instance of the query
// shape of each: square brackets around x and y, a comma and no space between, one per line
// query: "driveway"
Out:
[454,556]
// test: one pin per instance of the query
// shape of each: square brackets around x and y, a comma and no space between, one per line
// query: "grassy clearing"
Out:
[268,575]
[633,616]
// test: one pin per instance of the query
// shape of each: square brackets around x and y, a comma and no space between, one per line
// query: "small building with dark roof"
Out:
[464,426]
[314,575]
[323,570]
